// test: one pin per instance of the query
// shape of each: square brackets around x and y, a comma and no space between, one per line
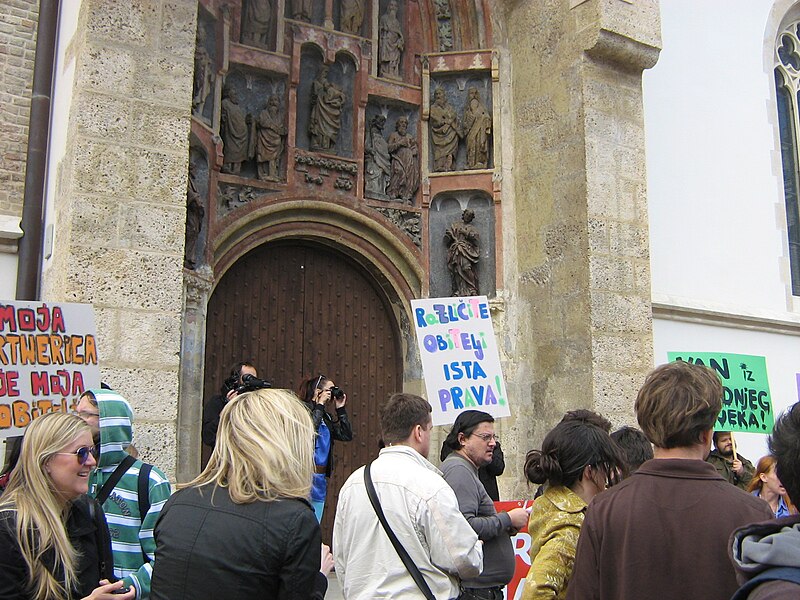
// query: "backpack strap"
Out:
[413,570]
[791,574]
[143,493]
[112,481]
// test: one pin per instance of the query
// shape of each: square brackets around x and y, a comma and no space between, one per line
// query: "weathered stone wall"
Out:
[18,20]
[577,305]
[120,200]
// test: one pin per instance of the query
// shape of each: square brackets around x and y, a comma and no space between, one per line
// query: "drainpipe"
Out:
[29,269]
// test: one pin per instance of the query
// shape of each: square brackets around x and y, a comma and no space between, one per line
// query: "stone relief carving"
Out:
[204,74]
[352,16]
[377,165]
[194,218]
[327,102]
[445,132]
[256,22]
[302,10]
[234,126]
[390,43]
[409,222]
[463,254]
[404,179]
[477,130]
[326,163]
[231,196]
[444,25]
[269,135]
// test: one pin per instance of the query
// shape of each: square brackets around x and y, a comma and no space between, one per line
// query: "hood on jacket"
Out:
[761,546]
[116,431]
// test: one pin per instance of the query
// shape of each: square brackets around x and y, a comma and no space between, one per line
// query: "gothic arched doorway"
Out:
[299,309]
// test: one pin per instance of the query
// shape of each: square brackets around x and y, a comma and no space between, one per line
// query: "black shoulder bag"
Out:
[412,568]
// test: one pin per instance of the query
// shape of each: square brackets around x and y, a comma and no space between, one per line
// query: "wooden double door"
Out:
[299,310]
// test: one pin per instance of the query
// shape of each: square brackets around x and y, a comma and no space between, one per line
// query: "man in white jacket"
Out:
[420,508]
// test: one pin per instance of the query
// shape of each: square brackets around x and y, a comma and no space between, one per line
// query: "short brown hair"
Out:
[678,402]
[400,414]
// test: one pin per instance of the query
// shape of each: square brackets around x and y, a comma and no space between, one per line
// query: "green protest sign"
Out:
[746,402]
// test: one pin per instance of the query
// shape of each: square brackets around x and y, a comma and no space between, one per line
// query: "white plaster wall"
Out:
[714,184]
[781,352]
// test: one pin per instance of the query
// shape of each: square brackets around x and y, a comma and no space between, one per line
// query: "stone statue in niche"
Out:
[203,73]
[404,180]
[477,130]
[390,43]
[269,133]
[327,103]
[463,254]
[445,132]
[377,164]
[194,218]
[234,126]
[256,22]
[302,10]
[352,16]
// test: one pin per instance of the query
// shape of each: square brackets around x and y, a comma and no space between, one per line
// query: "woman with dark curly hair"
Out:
[578,460]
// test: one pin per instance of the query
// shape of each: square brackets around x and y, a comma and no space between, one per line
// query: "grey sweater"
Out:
[492,527]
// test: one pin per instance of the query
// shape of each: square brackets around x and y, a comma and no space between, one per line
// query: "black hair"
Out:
[634,445]
[587,416]
[784,445]
[568,449]
[466,422]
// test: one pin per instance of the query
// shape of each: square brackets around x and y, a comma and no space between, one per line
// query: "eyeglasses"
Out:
[83,453]
[488,437]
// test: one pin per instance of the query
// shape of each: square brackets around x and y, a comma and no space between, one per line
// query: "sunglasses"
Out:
[83,453]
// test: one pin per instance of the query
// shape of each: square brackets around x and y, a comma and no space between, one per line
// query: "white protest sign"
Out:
[48,357]
[460,361]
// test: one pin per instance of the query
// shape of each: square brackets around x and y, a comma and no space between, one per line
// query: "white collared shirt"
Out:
[422,510]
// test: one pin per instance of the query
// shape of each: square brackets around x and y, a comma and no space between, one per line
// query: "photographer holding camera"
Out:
[243,378]
[317,392]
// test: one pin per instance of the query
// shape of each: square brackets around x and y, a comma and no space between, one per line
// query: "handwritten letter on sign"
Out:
[459,354]
[746,402]
[48,357]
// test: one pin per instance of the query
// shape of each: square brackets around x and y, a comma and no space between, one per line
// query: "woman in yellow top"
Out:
[577,461]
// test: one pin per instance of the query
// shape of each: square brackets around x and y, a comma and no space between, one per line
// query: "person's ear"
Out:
[587,473]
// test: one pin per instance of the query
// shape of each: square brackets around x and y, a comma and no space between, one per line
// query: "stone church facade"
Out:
[273,180]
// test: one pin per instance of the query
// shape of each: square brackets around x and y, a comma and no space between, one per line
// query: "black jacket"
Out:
[211,412]
[340,428]
[88,533]
[209,548]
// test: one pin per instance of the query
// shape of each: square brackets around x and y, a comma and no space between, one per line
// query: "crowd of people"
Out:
[650,513]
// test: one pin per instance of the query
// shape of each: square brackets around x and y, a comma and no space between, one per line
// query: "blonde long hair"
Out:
[40,510]
[264,448]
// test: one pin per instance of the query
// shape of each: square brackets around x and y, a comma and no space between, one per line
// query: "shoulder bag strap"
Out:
[412,568]
[144,497]
[112,481]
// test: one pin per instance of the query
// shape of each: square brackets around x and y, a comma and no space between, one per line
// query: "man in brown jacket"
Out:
[663,532]
[736,469]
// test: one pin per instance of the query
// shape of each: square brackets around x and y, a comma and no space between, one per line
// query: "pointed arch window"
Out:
[787,88]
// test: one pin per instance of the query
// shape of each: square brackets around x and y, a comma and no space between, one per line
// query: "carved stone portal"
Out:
[327,102]
[269,135]
[391,43]
[404,180]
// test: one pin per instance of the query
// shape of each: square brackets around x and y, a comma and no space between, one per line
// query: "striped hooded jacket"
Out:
[131,533]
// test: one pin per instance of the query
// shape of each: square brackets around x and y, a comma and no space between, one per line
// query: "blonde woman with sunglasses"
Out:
[54,543]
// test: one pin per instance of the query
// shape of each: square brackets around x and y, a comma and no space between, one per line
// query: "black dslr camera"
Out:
[337,393]
[251,383]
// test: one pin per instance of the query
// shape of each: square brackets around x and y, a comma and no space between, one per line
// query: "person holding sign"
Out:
[54,542]
[472,441]
[736,469]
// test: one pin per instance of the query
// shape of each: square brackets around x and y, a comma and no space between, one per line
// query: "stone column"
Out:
[582,298]
[120,200]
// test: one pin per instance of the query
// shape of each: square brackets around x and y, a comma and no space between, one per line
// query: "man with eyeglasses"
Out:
[472,442]
[131,492]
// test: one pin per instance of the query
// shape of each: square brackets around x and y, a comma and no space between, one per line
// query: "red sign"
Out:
[522,551]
